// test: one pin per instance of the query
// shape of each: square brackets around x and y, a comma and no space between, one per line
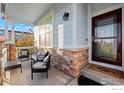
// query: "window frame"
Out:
[118,14]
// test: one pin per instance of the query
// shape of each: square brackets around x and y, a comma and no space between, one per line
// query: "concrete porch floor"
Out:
[56,77]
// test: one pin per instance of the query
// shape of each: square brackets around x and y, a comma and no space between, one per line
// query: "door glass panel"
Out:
[106,49]
[105,28]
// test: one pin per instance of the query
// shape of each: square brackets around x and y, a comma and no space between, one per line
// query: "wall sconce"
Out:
[86,40]
[65,16]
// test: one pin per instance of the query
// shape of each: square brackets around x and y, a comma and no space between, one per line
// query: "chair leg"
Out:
[49,68]
[32,76]
[47,74]
[21,69]
[4,74]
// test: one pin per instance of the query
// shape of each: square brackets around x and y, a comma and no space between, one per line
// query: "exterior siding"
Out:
[62,30]
[81,25]
[66,53]
[63,36]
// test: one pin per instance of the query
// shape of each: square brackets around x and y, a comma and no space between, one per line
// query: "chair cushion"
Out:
[12,63]
[40,57]
[24,53]
[39,65]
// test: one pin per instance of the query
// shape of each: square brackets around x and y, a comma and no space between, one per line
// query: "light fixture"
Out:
[65,16]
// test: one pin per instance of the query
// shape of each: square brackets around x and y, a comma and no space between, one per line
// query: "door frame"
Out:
[89,28]
[118,14]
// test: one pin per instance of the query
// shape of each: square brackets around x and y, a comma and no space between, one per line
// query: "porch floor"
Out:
[56,77]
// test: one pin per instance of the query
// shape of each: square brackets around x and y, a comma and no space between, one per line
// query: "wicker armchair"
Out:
[40,67]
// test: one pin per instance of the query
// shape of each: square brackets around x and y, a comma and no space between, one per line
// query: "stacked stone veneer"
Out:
[67,60]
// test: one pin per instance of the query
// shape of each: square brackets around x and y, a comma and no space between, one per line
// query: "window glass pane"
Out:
[105,28]
[42,40]
[42,29]
[48,39]
[48,30]
[106,48]
[45,32]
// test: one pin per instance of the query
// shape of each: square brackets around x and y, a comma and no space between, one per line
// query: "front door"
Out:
[107,37]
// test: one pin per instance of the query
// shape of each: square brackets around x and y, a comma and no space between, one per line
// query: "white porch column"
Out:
[74,27]
[6,30]
[13,33]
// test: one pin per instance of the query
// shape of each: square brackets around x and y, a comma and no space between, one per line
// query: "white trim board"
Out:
[123,38]
[107,10]
[90,35]
[74,27]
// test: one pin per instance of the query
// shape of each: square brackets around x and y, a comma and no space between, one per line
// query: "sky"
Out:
[18,26]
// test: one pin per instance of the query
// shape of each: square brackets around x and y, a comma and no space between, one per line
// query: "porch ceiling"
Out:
[28,12]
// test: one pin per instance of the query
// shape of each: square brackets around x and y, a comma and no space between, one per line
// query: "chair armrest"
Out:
[18,55]
[34,57]
[33,60]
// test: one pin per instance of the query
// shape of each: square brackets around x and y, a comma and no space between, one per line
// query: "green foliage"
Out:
[27,40]
[106,50]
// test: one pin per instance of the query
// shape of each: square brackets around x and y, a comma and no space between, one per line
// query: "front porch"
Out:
[66,32]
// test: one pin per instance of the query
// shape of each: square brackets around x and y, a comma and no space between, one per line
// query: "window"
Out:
[106,38]
[46,32]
